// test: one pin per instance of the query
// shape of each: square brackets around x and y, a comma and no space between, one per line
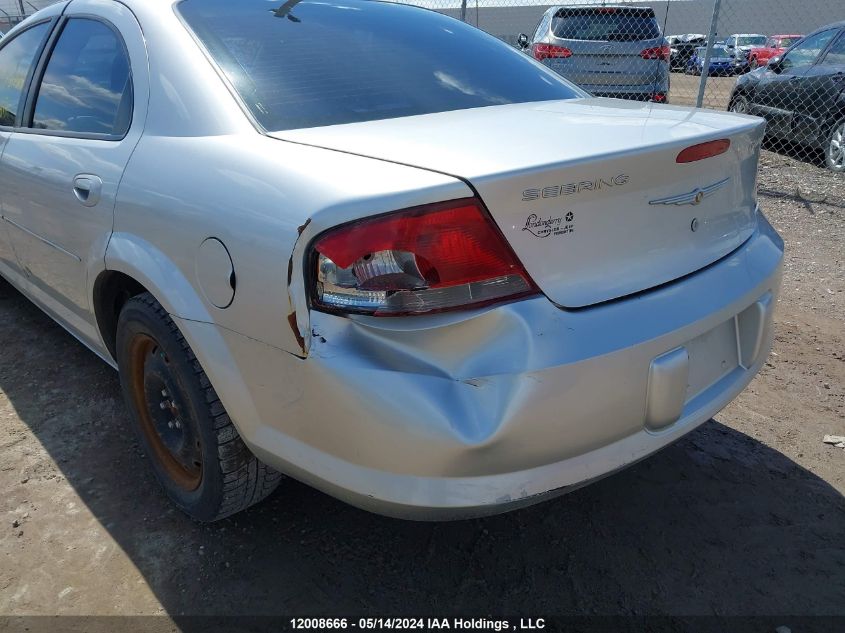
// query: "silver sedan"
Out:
[375,249]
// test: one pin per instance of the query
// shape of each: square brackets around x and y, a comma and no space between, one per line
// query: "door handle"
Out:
[88,189]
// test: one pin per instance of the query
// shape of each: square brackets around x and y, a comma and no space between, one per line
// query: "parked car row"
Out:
[682,48]
[801,94]
[731,56]
[797,83]
[734,55]
[620,51]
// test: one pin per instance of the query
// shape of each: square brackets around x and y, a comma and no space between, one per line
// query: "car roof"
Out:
[832,25]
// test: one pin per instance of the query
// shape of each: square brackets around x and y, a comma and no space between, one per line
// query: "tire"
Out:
[740,104]
[196,453]
[834,147]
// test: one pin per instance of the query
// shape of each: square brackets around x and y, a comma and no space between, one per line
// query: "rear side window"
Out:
[86,86]
[606,24]
[542,28]
[16,58]
[317,63]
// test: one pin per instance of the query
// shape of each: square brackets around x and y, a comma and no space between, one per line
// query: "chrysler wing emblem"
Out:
[693,197]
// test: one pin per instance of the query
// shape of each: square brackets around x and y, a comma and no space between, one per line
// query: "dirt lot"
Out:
[683,90]
[744,516]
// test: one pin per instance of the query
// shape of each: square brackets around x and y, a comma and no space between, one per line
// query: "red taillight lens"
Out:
[427,259]
[703,150]
[658,52]
[549,51]
[659,97]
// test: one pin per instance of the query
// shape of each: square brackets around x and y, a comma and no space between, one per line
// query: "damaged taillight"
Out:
[426,259]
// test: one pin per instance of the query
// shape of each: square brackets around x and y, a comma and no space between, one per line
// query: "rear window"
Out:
[606,24]
[316,63]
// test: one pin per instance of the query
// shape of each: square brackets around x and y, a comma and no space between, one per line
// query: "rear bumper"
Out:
[637,84]
[477,414]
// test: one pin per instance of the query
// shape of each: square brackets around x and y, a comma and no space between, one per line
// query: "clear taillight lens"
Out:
[427,259]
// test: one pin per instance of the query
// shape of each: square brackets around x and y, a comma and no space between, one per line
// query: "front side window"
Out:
[87,85]
[836,55]
[16,58]
[325,62]
[807,52]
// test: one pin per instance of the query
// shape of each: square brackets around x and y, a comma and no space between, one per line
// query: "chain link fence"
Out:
[13,12]
[745,55]
[706,53]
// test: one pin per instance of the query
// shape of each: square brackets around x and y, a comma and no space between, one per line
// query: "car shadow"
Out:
[718,523]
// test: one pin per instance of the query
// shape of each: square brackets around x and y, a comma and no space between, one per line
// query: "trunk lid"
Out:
[582,189]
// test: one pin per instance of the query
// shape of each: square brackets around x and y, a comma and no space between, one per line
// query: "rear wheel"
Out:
[196,453]
[834,153]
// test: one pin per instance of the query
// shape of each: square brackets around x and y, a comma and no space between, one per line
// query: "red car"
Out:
[775,45]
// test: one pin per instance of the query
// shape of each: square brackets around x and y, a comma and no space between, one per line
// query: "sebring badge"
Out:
[694,197]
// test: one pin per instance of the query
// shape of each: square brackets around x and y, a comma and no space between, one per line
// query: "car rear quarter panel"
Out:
[260,197]
[202,169]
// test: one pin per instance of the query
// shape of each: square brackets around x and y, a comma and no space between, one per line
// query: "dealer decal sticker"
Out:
[544,227]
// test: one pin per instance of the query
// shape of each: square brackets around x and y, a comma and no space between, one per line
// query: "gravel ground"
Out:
[683,90]
[744,516]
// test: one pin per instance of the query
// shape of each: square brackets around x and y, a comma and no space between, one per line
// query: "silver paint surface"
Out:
[434,416]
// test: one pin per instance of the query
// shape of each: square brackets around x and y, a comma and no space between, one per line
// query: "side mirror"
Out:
[775,64]
[522,41]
